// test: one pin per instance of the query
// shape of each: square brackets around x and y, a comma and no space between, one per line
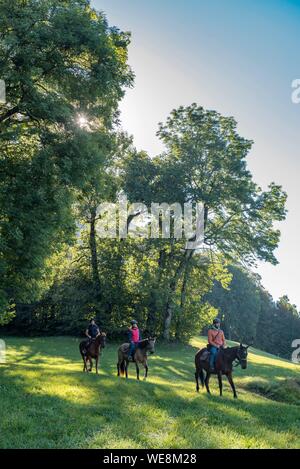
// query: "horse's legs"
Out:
[118,368]
[197,379]
[126,368]
[97,360]
[207,381]
[84,363]
[220,382]
[229,377]
[146,370]
[137,370]
[91,364]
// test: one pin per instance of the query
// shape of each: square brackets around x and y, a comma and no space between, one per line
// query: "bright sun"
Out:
[82,121]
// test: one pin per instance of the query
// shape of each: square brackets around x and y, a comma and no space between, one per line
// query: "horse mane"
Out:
[229,351]
[100,337]
[143,343]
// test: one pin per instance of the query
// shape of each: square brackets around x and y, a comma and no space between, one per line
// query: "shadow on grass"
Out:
[63,408]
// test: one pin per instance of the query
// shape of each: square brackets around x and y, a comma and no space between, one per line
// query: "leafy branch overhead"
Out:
[62,153]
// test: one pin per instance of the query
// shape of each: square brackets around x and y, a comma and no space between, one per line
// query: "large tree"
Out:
[65,71]
[205,161]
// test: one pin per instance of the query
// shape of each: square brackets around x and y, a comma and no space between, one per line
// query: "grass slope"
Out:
[47,402]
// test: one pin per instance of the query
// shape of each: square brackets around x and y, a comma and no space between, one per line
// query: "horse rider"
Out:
[216,340]
[134,338]
[91,332]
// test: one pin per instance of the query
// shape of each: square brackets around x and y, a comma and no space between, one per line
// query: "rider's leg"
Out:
[212,357]
[131,350]
[86,345]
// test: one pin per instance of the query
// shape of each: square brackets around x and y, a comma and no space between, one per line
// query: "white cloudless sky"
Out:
[238,58]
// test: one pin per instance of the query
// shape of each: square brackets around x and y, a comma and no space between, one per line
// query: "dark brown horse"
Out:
[143,348]
[92,351]
[224,365]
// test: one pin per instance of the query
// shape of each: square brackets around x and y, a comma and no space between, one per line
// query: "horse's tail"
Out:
[122,367]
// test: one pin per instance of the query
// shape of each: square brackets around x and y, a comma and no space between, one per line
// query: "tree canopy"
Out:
[65,71]
[63,152]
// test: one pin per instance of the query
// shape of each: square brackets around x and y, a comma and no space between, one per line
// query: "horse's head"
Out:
[102,339]
[151,345]
[242,354]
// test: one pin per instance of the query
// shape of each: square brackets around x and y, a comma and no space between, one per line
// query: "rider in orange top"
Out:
[216,339]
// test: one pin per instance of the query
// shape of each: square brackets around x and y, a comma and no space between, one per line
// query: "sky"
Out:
[238,58]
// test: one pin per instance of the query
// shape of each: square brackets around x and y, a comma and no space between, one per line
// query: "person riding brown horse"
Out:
[140,356]
[223,366]
[90,348]
[216,341]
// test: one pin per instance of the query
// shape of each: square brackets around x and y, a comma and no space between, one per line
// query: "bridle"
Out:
[148,347]
[238,360]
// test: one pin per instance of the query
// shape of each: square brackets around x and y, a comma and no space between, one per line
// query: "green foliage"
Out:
[278,326]
[249,313]
[60,61]
[62,154]
[238,305]
[205,161]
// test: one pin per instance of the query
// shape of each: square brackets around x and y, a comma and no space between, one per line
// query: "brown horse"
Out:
[93,351]
[140,356]
[224,365]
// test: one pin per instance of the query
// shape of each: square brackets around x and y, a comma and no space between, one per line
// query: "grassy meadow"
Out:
[48,402]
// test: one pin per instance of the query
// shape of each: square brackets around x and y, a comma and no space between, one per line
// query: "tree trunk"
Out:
[182,300]
[172,289]
[174,282]
[94,259]
[151,324]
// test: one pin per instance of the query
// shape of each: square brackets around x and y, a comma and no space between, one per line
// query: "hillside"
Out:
[47,402]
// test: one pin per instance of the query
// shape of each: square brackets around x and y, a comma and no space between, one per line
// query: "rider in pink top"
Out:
[134,338]
[135,334]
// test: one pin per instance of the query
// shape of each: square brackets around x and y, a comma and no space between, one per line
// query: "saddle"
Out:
[87,345]
[204,357]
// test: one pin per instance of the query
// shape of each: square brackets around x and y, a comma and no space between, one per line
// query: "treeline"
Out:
[63,154]
[247,310]
[250,314]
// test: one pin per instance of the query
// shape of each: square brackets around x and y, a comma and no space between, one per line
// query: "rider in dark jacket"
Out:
[91,332]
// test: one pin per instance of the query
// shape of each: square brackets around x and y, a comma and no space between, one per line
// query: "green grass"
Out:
[47,402]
